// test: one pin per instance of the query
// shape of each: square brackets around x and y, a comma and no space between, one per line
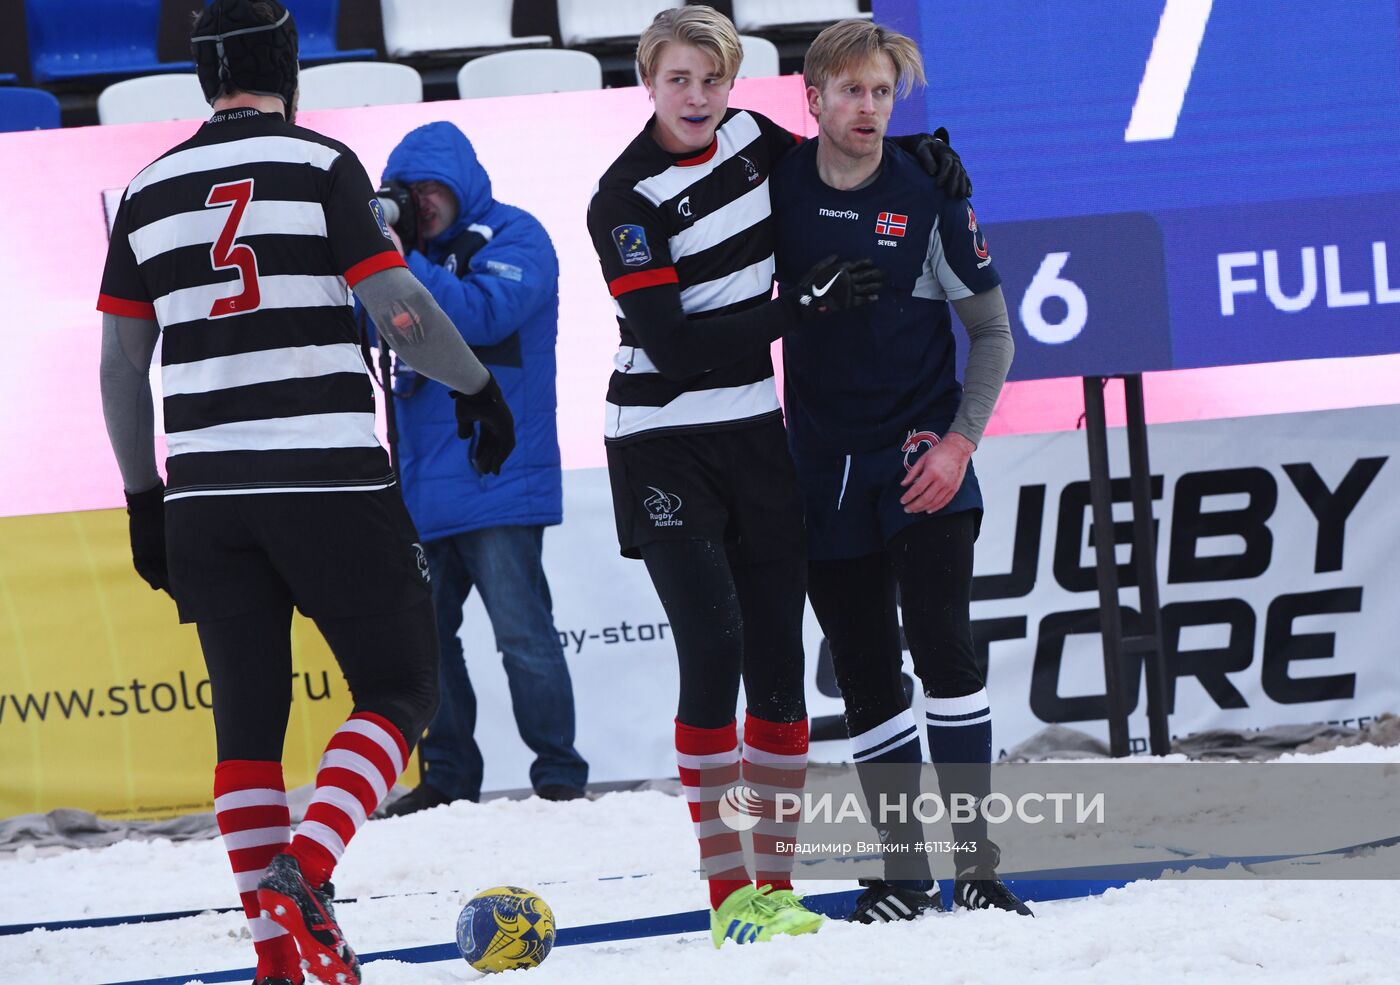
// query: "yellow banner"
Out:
[104,700]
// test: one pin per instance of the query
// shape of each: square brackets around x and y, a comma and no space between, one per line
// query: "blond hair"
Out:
[700,26]
[847,44]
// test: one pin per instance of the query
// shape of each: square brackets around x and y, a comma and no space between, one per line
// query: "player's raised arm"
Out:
[407,317]
[939,160]
[412,324]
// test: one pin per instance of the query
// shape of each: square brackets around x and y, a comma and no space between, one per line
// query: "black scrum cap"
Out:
[237,49]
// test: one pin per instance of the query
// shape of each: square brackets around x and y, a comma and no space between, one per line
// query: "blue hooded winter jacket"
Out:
[511,285]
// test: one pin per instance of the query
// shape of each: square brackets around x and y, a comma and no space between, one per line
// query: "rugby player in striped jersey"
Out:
[704,490]
[240,247]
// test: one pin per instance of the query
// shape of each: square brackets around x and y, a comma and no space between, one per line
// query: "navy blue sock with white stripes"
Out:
[893,741]
[960,745]
[959,729]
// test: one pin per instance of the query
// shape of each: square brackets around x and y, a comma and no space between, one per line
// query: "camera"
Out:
[400,211]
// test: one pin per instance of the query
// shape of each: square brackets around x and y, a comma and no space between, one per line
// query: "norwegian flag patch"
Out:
[891,224]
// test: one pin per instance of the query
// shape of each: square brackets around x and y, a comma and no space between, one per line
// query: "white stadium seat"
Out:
[583,22]
[414,27]
[153,98]
[760,58]
[343,84]
[759,15]
[523,73]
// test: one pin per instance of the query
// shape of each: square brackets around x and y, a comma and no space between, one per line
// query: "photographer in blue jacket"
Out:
[493,270]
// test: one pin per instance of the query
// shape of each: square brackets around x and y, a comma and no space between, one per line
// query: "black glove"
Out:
[146,522]
[835,285]
[488,410]
[941,162]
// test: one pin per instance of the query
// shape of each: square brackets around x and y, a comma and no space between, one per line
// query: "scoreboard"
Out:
[1169,184]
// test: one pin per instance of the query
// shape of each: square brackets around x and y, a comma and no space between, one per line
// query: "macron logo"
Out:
[838,214]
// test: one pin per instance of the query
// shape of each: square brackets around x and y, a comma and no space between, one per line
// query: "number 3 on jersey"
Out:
[223,254]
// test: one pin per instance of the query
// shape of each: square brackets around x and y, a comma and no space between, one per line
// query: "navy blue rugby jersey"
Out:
[862,379]
[243,243]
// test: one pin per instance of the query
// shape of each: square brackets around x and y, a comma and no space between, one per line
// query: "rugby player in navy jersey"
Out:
[882,434]
[703,486]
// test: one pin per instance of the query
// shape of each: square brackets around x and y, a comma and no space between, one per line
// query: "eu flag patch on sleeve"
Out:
[376,209]
[631,243]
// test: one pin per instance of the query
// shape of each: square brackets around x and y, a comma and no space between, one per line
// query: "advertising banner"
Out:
[1275,560]
[1275,556]
[104,701]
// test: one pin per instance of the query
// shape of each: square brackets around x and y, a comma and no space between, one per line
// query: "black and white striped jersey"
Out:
[242,243]
[702,224]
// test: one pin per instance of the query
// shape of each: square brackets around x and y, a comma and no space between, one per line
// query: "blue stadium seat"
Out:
[28,109]
[71,39]
[316,26]
[8,78]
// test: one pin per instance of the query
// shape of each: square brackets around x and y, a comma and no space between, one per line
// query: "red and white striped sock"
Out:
[709,765]
[250,806]
[775,761]
[363,759]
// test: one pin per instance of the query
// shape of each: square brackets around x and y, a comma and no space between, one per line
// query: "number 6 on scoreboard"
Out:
[1168,72]
[1046,284]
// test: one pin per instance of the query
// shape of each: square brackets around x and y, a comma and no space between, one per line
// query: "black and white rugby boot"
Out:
[988,894]
[885,902]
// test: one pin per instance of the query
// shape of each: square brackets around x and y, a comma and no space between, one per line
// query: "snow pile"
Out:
[427,865]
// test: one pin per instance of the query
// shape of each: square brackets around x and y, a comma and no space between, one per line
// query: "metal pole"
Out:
[1110,619]
[1149,643]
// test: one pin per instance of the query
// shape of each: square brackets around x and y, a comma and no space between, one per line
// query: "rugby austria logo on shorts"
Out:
[663,507]
[914,444]
[420,558]
[632,245]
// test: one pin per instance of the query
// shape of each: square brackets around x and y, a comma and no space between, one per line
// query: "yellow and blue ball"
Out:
[505,928]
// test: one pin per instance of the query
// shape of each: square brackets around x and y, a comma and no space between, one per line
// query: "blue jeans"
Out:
[504,564]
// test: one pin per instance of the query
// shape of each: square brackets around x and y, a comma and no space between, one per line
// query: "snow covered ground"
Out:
[427,865]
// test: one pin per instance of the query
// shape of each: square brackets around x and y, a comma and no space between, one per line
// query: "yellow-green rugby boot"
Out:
[747,915]
[789,901]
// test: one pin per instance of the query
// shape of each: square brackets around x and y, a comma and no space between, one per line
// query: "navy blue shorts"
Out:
[852,502]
